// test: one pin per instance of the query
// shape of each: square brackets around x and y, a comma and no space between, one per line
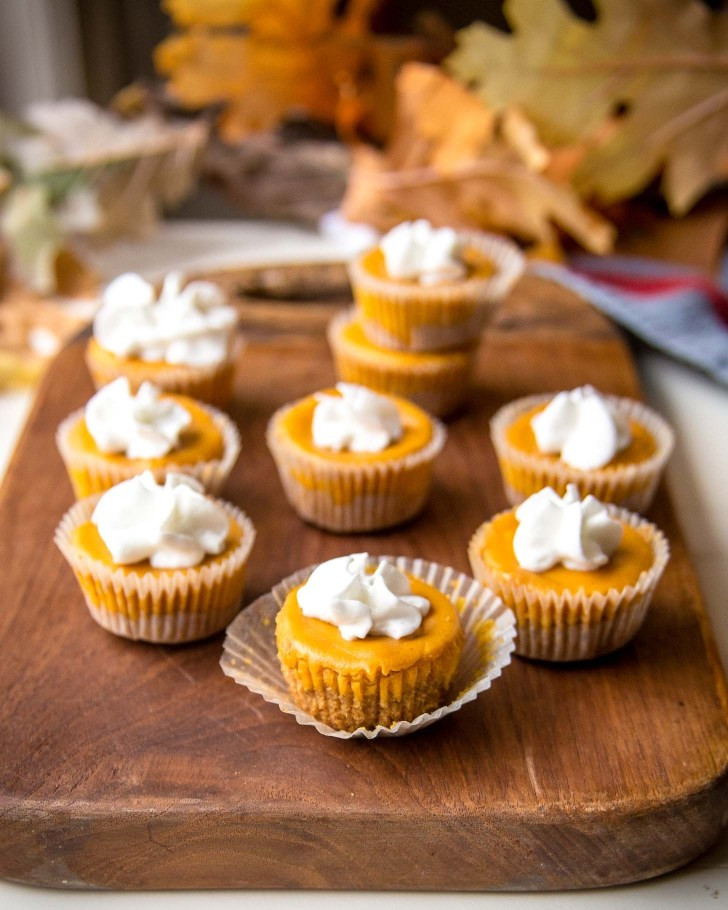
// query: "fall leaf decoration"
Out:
[265,60]
[455,161]
[640,92]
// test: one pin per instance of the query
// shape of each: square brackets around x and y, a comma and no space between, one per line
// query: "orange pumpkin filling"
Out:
[520,435]
[416,432]
[633,556]
[320,643]
[477,265]
[353,334]
[86,539]
[109,359]
[200,441]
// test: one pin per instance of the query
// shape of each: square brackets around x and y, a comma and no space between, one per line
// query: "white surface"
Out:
[40,52]
[14,407]
[698,477]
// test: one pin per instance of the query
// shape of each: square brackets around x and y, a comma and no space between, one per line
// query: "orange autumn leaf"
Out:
[265,60]
[454,161]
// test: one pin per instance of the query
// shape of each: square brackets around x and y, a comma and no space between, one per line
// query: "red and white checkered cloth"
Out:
[672,308]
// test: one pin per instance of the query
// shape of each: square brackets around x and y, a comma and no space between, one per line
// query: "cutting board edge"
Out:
[175,847]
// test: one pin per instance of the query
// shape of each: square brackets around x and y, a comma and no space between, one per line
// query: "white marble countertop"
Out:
[698,481]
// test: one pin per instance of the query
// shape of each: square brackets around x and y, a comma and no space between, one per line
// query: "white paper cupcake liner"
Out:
[250,655]
[563,625]
[98,473]
[348,497]
[632,486]
[414,317]
[166,607]
[438,383]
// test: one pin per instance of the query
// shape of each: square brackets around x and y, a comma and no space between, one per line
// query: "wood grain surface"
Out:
[126,765]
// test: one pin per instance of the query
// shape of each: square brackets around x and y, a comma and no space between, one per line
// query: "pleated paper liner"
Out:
[632,486]
[92,472]
[166,606]
[250,656]
[437,382]
[412,317]
[564,625]
[211,384]
[344,498]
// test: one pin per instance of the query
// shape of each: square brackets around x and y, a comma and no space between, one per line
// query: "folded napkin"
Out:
[672,308]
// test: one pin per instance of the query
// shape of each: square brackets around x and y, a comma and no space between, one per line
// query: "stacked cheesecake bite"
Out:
[423,297]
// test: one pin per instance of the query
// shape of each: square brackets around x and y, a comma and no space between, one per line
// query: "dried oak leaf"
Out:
[264,60]
[454,162]
[642,91]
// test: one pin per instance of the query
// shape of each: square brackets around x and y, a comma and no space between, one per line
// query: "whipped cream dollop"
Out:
[342,593]
[189,325]
[173,525]
[582,428]
[356,420]
[579,534]
[138,426]
[415,250]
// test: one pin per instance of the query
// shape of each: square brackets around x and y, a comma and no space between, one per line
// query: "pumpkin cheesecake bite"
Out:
[365,646]
[182,340]
[120,433]
[438,381]
[427,289]
[370,646]
[159,563]
[350,459]
[614,448]
[578,574]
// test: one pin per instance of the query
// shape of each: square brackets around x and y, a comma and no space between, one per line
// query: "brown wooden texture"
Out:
[135,766]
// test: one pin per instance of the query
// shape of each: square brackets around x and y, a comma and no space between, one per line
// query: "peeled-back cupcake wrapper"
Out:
[353,497]
[564,625]
[439,385]
[168,606]
[212,384]
[92,472]
[413,317]
[632,485]
[250,655]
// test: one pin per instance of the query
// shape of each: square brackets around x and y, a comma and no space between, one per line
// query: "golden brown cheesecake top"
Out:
[520,435]
[201,440]
[321,643]
[633,556]
[87,539]
[296,424]
[476,264]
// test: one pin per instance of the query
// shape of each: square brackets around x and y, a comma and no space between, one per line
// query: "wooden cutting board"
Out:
[126,765]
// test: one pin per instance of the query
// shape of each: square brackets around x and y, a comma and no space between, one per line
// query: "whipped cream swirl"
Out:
[342,593]
[173,525]
[578,534]
[138,426]
[582,428]
[357,420]
[189,325]
[415,250]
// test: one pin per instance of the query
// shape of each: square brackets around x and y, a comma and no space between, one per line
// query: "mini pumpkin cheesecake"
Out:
[119,434]
[579,575]
[437,381]
[159,563]
[350,459]
[183,341]
[614,448]
[426,289]
[389,657]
